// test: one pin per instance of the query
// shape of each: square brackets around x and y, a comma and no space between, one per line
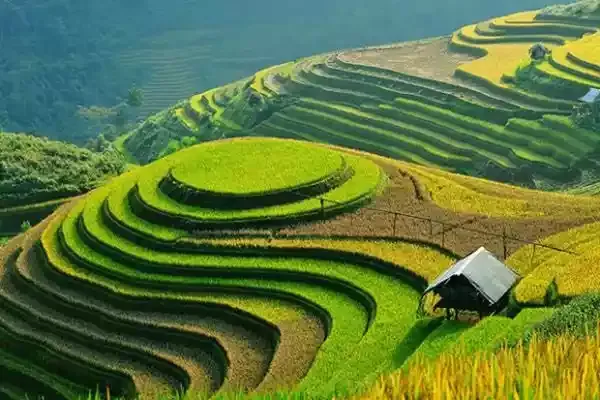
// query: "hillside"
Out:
[470,103]
[280,233]
[290,278]
[58,55]
[38,174]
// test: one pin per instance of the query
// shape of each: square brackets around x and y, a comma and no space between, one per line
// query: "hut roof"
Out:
[591,96]
[486,273]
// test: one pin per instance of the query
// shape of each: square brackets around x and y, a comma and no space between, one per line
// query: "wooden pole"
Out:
[505,250]
[443,233]
[322,207]
[394,229]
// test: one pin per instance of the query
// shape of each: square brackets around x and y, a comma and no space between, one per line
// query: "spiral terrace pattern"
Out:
[103,292]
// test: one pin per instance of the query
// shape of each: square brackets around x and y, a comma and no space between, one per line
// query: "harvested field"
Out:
[428,59]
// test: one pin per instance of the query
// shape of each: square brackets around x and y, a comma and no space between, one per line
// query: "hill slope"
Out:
[291,277]
[463,103]
[61,54]
[37,175]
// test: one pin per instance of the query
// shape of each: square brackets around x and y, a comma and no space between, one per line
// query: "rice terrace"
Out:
[417,220]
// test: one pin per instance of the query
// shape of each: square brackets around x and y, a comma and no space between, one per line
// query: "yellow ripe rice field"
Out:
[587,49]
[560,368]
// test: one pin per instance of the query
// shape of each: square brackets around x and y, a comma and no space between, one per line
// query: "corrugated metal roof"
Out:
[591,96]
[488,274]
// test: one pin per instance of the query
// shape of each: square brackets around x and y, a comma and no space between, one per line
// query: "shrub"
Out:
[528,77]
[577,317]
[25,226]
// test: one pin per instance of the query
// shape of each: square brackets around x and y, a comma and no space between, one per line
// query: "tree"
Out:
[135,97]
[121,119]
[25,226]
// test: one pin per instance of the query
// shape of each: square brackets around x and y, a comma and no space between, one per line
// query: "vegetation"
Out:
[288,257]
[536,370]
[327,99]
[59,54]
[578,318]
[34,170]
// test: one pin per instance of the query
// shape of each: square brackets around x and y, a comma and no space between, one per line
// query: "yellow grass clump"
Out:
[560,368]
[501,58]
[260,76]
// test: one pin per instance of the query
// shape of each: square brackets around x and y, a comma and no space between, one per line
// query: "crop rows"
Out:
[412,130]
[126,302]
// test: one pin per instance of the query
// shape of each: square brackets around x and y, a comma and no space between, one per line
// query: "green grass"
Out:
[439,128]
[267,166]
[440,340]
[363,184]
[406,129]
[119,144]
[502,136]
[292,120]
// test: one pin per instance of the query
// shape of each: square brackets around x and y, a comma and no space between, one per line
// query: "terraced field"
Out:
[448,102]
[296,262]
[232,322]
[164,279]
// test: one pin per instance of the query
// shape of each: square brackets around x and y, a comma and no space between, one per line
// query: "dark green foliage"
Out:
[120,119]
[581,314]
[135,97]
[34,169]
[531,79]
[579,8]
[586,116]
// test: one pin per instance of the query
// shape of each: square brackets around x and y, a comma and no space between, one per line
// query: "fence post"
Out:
[504,242]
[443,232]
[322,207]
[394,229]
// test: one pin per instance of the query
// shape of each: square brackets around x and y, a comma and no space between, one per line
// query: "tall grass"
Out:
[563,367]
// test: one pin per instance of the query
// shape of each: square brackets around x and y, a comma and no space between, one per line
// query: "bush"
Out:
[25,226]
[584,117]
[529,78]
[34,169]
[580,315]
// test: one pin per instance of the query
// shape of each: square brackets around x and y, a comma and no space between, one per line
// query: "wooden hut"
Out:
[479,282]
[592,100]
